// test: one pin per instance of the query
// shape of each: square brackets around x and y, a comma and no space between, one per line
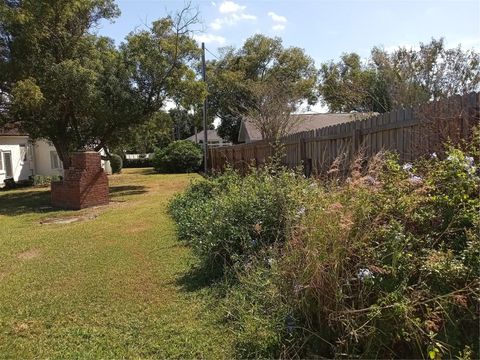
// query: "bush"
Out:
[383,265]
[9,184]
[229,219]
[44,180]
[178,157]
[137,163]
[116,163]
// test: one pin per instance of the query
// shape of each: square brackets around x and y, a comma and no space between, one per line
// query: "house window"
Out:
[7,160]
[23,152]
[54,160]
[1,161]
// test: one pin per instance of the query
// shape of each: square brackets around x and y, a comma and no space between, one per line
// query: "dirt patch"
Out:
[67,220]
[29,254]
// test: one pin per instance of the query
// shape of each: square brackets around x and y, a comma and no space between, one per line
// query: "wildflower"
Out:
[415,179]
[407,166]
[434,156]
[301,211]
[297,288]
[370,180]
[364,274]
[469,160]
[271,261]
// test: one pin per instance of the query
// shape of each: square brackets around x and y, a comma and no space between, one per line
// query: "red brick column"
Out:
[85,184]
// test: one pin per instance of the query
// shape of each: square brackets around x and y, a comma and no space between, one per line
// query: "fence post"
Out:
[356,135]
[303,155]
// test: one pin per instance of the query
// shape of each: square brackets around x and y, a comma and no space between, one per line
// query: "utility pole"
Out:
[205,131]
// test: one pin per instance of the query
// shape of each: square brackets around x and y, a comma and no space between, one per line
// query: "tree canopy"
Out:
[78,90]
[401,78]
[235,80]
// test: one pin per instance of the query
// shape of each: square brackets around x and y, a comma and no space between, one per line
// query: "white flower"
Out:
[371,180]
[469,160]
[434,155]
[415,179]
[301,211]
[364,274]
[407,166]
[271,261]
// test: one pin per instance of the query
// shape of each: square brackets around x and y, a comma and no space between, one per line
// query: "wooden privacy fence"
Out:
[411,132]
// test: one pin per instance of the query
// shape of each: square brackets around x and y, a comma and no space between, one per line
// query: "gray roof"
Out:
[248,131]
[11,130]
[212,136]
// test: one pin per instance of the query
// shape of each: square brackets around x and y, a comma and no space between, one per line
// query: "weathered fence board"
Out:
[411,132]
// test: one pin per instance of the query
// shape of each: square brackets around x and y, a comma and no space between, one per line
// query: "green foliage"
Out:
[383,265]
[229,219]
[44,180]
[60,82]
[402,78]
[116,162]
[260,61]
[137,163]
[181,156]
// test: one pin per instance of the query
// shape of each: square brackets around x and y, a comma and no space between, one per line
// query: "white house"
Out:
[20,157]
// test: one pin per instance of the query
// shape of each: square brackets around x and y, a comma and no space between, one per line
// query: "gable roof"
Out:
[11,130]
[212,136]
[248,131]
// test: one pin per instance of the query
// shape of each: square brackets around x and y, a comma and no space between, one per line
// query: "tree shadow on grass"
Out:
[199,277]
[120,191]
[19,202]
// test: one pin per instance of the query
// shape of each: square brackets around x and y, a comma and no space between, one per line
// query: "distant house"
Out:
[20,157]
[214,140]
[249,133]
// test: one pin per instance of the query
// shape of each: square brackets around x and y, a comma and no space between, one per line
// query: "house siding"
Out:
[21,169]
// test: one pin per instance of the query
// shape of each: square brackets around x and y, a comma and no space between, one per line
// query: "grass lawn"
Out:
[114,285]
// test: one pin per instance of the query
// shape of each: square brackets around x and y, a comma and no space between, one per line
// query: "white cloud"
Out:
[216,24]
[210,39]
[228,7]
[277,18]
[278,27]
[235,13]
[279,21]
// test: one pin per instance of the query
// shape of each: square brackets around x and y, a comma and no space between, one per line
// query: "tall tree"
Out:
[401,78]
[235,80]
[78,90]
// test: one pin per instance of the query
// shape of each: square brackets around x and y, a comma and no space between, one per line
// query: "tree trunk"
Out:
[63,154]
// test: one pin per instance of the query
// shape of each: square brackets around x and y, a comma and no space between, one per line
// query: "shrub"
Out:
[9,184]
[137,163]
[229,219]
[44,180]
[178,157]
[382,265]
[116,163]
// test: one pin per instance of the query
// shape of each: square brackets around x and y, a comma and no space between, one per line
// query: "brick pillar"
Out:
[85,184]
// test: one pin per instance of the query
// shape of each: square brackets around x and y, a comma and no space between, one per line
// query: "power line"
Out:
[215,56]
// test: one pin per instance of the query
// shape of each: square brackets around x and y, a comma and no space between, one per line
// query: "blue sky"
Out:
[325,29]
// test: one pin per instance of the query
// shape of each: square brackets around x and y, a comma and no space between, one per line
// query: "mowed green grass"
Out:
[116,285]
